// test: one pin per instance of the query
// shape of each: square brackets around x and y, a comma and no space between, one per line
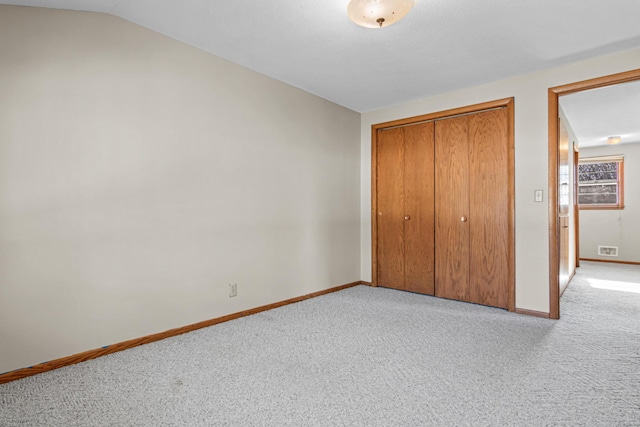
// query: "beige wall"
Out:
[615,227]
[140,176]
[531,152]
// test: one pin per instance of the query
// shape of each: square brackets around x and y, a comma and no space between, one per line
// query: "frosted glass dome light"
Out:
[378,13]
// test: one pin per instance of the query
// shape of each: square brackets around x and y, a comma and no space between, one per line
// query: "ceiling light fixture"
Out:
[613,140]
[378,13]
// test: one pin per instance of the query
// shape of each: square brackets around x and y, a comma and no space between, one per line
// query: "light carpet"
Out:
[367,357]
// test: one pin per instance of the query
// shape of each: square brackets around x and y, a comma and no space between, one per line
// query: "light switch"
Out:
[537,196]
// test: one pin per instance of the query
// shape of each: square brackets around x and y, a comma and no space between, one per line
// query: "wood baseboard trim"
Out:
[532,313]
[92,354]
[362,282]
[612,261]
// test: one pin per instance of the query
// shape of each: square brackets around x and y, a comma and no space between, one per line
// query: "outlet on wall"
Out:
[233,289]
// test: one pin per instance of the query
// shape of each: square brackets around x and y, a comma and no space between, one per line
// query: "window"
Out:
[600,182]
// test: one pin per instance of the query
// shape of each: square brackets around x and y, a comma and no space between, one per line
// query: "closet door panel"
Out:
[390,207]
[489,208]
[419,208]
[452,201]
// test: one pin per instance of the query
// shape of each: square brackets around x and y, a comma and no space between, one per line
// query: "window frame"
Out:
[619,183]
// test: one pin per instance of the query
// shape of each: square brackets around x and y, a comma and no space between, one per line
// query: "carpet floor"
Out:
[368,357]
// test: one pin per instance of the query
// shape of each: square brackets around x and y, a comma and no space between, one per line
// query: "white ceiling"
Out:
[441,45]
[595,115]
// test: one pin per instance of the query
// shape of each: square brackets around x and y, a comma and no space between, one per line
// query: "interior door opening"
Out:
[557,214]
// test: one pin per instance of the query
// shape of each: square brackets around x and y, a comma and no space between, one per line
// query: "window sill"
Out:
[600,207]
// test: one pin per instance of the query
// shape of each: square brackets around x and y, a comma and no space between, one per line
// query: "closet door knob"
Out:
[407,218]
[463,219]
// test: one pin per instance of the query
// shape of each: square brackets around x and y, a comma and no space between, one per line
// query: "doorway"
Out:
[556,221]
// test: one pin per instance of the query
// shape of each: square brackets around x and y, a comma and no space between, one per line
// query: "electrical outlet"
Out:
[233,290]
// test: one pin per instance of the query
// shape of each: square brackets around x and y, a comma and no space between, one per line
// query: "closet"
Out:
[442,204]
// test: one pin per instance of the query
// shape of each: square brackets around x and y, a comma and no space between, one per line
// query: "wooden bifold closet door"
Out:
[472,209]
[443,208]
[405,208]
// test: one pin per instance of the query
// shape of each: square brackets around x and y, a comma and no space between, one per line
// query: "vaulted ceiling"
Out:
[442,45]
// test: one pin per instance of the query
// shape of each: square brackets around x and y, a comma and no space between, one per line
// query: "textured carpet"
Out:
[367,357]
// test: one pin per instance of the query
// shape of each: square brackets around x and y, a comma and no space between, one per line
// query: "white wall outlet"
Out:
[537,196]
[233,290]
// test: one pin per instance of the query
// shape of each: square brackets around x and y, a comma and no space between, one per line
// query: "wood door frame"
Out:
[554,94]
[507,103]
[576,207]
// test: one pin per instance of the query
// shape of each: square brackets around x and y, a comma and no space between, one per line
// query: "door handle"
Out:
[463,219]
[407,217]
